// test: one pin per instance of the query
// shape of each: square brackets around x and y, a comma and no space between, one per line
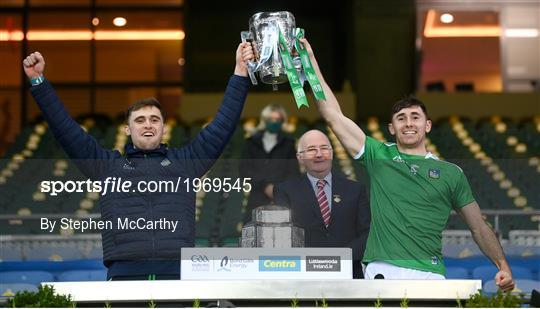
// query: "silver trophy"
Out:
[264,30]
[271,227]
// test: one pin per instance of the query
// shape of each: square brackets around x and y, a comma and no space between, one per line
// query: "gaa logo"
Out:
[201,258]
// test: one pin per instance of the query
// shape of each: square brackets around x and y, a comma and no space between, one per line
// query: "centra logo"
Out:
[279,263]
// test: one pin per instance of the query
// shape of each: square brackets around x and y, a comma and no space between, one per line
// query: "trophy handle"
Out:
[251,65]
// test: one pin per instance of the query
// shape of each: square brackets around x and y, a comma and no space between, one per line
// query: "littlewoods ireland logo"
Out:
[323,263]
[279,263]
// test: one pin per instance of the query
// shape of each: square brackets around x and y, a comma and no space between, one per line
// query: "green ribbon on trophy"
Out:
[292,74]
[308,67]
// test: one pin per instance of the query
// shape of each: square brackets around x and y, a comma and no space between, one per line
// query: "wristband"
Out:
[37,80]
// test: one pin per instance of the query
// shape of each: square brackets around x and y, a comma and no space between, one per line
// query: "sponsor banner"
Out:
[279,263]
[266,263]
[323,263]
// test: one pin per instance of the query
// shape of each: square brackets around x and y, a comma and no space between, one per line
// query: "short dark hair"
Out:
[407,102]
[145,102]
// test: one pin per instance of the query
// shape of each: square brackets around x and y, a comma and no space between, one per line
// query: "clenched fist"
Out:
[34,65]
[504,280]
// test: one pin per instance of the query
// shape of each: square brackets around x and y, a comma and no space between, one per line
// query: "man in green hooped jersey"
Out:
[412,193]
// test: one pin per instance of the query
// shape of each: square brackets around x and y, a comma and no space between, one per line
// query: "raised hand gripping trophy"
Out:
[275,35]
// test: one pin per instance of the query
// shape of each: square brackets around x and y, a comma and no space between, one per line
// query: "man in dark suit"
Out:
[332,210]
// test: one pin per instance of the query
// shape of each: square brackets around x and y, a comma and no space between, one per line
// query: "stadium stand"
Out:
[504,177]
[524,286]
[10,289]
[83,275]
[485,273]
[34,277]
[457,272]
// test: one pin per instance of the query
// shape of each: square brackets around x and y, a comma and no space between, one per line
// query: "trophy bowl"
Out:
[263,30]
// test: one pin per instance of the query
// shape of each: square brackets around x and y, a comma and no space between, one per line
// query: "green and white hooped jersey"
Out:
[411,199]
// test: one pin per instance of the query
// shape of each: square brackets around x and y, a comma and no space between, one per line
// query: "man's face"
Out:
[315,153]
[410,126]
[146,128]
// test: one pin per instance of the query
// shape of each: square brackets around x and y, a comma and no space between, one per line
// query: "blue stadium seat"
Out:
[10,253]
[522,251]
[486,273]
[83,275]
[10,289]
[490,287]
[53,253]
[526,286]
[34,277]
[461,250]
[532,263]
[95,253]
[522,286]
[468,263]
[457,273]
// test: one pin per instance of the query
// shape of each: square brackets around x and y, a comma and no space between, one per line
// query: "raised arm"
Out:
[489,244]
[74,140]
[210,142]
[348,132]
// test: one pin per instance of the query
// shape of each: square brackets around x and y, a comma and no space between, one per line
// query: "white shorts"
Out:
[390,271]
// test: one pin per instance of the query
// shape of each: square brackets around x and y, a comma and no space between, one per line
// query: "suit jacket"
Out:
[265,168]
[350,215]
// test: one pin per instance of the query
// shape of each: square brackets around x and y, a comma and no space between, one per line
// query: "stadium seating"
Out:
[461,250]
[523,251]
[94,253]
[19,193]
[524,286]
[83,275]
[487,272]
[34,277]
[10,251]
[457,272]
[499,173]
[54,253]
[10,289]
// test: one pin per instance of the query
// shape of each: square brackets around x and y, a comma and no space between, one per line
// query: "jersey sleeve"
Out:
[369,151]
[462,193]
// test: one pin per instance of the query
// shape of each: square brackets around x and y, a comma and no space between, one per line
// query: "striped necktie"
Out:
[323,202]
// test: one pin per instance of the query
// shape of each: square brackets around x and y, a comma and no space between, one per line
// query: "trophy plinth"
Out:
[271,228]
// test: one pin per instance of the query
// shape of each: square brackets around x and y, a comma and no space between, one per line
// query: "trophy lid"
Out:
[271,214]
[284,15]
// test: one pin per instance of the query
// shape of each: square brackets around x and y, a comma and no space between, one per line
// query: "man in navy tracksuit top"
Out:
[154,252]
